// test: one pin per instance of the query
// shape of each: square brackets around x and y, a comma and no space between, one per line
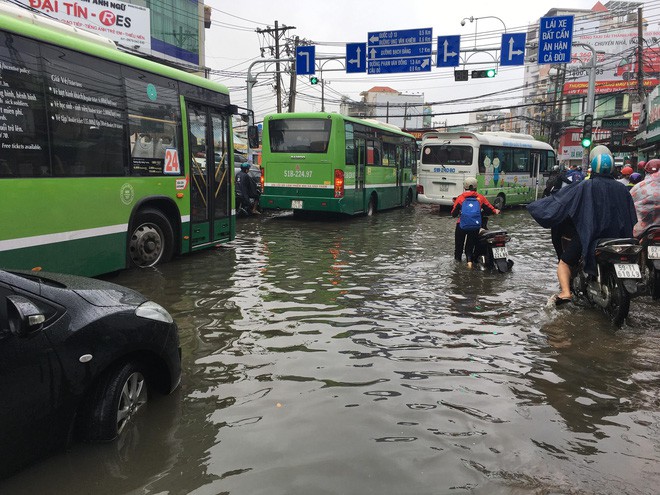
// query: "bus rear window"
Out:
[299,135]
[447,155]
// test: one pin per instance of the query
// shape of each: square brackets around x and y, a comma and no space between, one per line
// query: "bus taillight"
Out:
[262,179]
[339,183]
[420,189]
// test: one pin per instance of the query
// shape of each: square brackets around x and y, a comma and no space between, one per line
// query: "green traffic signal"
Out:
[478,74]
[586,142]
[490,73]
[313,80]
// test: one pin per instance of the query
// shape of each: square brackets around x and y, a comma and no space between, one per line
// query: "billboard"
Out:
[617,64]
[126,24]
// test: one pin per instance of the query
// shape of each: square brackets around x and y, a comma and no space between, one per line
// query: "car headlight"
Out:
[152,311]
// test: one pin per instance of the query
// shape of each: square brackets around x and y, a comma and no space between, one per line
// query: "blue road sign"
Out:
[399,51]
[356,57]
[305,60]
[555,39]
[512,51]
[449,51]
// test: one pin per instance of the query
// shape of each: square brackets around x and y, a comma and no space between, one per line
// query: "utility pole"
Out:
[640,56]
[292,84]
[277,33]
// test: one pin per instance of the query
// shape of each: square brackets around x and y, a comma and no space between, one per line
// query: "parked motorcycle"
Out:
[650,242]
[491,250]
[619,278]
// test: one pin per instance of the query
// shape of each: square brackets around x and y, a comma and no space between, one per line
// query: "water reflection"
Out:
[358,357]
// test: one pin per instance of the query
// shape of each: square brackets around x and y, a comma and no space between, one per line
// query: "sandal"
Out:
[559,301]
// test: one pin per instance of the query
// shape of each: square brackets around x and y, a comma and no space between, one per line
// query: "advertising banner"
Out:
[617,65]
[126,24]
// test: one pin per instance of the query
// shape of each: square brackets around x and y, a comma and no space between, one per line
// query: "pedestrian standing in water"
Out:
[468,208]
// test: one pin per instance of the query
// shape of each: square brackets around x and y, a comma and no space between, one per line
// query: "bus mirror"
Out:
[253,136]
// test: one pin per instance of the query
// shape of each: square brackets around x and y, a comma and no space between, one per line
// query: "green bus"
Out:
[327,162]
[107,160]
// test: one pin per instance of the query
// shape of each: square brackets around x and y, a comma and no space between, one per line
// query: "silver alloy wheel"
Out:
[133,397]
[146,245]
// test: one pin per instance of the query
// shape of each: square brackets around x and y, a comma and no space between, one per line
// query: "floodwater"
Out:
[356,357]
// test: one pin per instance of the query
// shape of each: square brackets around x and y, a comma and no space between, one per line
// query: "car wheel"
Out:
[118,396]
[151,240]
[409,199]
[371,208]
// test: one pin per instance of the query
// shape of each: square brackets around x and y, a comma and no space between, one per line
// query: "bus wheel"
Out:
[371,208]
[152,239]
[499,202]
[408,199]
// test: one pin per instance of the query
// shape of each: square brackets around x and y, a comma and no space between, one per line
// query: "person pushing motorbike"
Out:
[247,192]
[597,208]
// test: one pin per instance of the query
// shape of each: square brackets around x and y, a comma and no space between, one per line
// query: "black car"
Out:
[77,359]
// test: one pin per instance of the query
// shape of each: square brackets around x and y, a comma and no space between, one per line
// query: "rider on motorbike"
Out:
[598,208]
[247,192]
[645,195]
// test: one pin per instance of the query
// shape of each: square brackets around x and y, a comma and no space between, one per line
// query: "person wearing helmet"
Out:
[645,195]
[247,192]
[597,208]
[625,175]
[465,238]
[635,178]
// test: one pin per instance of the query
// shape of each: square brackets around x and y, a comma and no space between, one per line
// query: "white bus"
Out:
[509,167]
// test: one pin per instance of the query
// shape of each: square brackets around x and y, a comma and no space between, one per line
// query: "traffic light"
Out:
[586,130]
[460,75]
[313,80]
[477,74]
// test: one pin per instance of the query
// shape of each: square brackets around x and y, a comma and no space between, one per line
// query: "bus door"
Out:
[535,171]
[361,146]
[210,174]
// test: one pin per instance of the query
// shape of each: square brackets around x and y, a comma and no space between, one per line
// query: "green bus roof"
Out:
[30,25]
[333,115]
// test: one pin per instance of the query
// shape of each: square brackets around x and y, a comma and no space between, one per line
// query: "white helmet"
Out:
[470,184]
[599,150]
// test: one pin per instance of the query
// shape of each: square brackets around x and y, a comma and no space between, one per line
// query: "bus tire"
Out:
[500,202]
[371,207]
[409,199]
[151,240]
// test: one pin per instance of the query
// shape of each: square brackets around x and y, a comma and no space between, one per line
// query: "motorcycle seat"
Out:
[616,242]
[487,234]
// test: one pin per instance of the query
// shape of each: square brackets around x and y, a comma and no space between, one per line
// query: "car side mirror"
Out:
[25,318]
[253,136]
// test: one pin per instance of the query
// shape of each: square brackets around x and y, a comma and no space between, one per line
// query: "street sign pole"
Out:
[591,93]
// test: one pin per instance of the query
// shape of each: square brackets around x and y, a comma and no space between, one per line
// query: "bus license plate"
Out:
[296,204]
[499,252]
[627,270]
[654,253]
[443,187]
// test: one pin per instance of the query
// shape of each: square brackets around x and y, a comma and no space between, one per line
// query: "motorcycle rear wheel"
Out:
[619,304]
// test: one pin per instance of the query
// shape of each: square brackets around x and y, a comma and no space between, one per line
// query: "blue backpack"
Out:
[470,214]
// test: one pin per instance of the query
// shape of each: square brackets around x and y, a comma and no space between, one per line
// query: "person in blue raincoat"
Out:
[597,208]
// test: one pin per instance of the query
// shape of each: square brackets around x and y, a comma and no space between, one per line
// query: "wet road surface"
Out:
[327,357]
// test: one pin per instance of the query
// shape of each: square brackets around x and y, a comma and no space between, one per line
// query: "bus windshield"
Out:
[299,135]
[447,155]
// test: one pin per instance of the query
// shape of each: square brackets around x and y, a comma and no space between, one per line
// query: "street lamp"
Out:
[476,19]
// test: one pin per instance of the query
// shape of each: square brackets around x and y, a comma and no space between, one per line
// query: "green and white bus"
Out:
[107,160]
[326,162]
[510,168]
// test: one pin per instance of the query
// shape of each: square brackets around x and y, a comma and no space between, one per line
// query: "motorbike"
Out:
[650,242]
[618,278]
[491,248]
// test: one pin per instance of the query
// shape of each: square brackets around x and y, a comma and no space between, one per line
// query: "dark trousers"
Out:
[464,239]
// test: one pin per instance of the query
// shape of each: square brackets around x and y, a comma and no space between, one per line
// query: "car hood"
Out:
[96,292]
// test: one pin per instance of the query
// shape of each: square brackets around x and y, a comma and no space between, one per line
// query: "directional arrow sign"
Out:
[356,57]
[399,51]
[512,51]
[305,60]
[449,50]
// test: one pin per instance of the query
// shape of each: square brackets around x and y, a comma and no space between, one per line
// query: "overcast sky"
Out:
[232,44]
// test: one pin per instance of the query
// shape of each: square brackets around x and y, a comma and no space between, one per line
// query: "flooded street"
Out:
[356,357]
